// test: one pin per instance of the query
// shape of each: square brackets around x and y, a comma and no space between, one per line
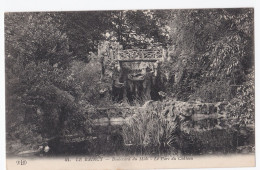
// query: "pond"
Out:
[107,140]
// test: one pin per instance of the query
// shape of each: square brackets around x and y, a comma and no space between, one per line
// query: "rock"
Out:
[204,109]
[169,112]
[188,112]
[46,149]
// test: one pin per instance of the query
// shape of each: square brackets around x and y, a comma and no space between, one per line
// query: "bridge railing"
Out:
[141,54]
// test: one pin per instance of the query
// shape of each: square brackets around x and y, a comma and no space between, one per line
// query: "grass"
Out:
[149,128]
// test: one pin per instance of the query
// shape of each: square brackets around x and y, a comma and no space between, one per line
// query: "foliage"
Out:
[214,52]
[212,92]
[39,95]
[140,28]
[242,106]
[49,89]
[86,78]
[84,30]
[28,39]
[39,103]
[148,127]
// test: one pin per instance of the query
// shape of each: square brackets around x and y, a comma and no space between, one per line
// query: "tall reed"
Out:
[149,127]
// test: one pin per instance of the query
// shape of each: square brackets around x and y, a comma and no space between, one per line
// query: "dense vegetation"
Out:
[53,73]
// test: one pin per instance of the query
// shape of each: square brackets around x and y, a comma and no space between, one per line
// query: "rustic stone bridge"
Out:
[133,70]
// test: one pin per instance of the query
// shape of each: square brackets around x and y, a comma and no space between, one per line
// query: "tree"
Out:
[137,28]
[29,39]
[214,51]
[39,95]
[84,30]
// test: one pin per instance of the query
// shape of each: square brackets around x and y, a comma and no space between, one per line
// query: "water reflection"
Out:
[204,136]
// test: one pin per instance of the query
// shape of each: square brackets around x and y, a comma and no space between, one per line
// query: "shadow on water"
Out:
[105,140]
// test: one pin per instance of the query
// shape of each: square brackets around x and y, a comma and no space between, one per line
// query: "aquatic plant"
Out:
[149,127]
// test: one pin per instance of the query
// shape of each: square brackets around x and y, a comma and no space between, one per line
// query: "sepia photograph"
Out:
[130,85]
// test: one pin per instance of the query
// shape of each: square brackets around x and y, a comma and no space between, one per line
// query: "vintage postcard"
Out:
[130,89]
